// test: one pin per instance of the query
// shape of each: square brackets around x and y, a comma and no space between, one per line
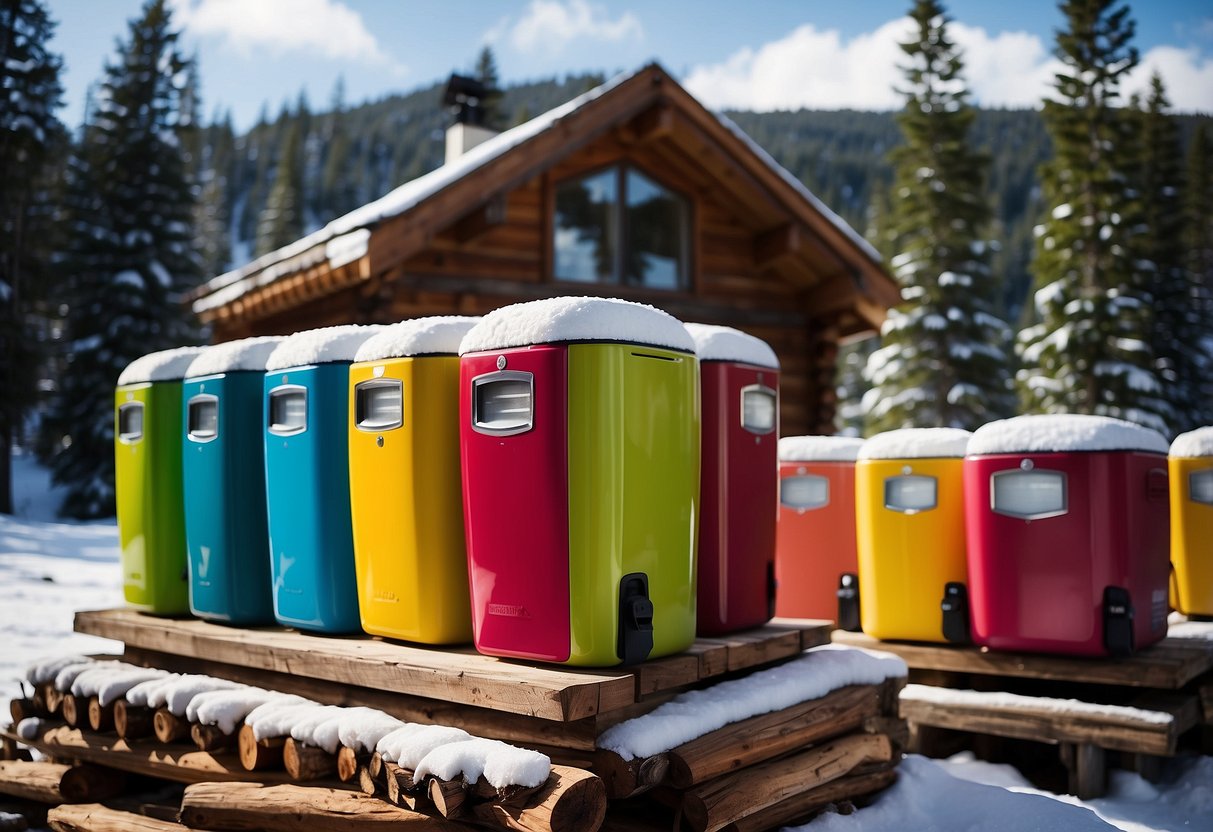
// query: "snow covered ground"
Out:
[50,569]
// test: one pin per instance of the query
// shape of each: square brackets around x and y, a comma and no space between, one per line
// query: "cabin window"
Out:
[618,225]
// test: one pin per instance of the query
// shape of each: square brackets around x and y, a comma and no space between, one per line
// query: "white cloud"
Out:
[328,28]
[551,25]
[815,68]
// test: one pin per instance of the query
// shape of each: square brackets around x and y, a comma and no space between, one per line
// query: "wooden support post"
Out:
[211,737]
[1088,767]
[73,710]
[55,783]
[100,717]
[1149,766]
[348,763]
[307,762]
[168,726]
[132,722]
[290,808]
[726,800]
[93,817]
[255,754]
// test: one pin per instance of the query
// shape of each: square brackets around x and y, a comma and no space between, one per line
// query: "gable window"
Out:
[618,225]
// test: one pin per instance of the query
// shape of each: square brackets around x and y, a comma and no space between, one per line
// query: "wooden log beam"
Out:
[289,808]
[169,727]
[862,782]
[727,800]
[572,800]
[259,754]
[211,737]
[481,220]
[626,778]
[307,762]
[767,736]
[56,783]
[100,717]
[777,245]
[93,817]
[132,722]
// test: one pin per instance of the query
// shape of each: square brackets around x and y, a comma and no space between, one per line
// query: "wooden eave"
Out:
[795,241]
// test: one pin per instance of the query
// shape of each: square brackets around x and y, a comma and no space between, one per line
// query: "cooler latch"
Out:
[635,640]
[955,608]
[1117,621]
[848,602]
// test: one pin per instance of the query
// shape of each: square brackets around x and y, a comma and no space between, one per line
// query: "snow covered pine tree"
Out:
[943,356]
[1090,350]
[128,259]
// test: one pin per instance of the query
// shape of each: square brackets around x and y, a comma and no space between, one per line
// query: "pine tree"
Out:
[943,359]
[1091,350]
[1176,324]
[1198,243]
[31,140]
[281,222]
[486,73]
[128,260]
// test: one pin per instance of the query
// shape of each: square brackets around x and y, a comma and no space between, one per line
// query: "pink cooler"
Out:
[815,553]
[1068,535]
[739,383]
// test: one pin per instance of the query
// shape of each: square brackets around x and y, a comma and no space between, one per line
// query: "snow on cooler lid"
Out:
[327,345]
[234,356]
[1064,433]
[166,365]
[438,335]
[564,319]
[723,343]
[917,443]
[819,448]
[1194,443]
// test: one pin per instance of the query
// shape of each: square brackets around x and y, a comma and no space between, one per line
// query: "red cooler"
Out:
[816,566]
[739,384]
[1068,535]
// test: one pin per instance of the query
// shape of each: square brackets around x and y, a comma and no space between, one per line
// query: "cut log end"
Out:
[132,722]
[100,717]
[211,737]
[257,755]
[169,727]
[72,710]
[448,796]
[348,763]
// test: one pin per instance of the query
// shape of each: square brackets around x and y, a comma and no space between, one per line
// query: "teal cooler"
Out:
[224,465]
[307,479]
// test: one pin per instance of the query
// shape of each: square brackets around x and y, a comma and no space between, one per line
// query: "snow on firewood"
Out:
[408,745]
[499,763]
[227,709]
[39,673]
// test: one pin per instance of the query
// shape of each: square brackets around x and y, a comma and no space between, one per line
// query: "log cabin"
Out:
[632,190]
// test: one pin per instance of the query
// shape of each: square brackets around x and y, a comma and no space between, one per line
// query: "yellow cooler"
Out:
[1191,470]
[406,496]
[910,533]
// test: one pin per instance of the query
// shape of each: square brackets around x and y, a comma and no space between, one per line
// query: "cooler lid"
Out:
[723,343]
[572,319]
[819,448]
[1064,433]
[327,345]
[1194,443]
[166,365]
[916,443]
[439,335]
[234,356]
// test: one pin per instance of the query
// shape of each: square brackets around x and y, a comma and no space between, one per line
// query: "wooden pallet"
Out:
[1022,696]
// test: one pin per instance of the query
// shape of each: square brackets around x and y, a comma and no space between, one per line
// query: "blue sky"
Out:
[757,55]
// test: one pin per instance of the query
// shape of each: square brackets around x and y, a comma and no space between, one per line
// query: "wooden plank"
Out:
[1043,721]
[93,817]
[1168,665]
[462,675]
[180,762]
[861,782]
[55,783]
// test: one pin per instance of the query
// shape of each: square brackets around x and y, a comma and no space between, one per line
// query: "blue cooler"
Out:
[224,466]
[307,478]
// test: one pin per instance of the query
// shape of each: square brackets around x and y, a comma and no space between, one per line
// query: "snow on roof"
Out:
[723,343]
[692,714]
[234,356]
[327,345]
[439,335]
[1194,443]
[166,365]
[916,443]
[819,448]
[565,319]
[1062,433]
[345,239]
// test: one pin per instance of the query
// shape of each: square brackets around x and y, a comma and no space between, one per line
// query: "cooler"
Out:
[147,479]
[307,477]
[224,466]
[580,447]
[816,566]
[1191,467]
[910,532]
[406,494]
[738,499]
